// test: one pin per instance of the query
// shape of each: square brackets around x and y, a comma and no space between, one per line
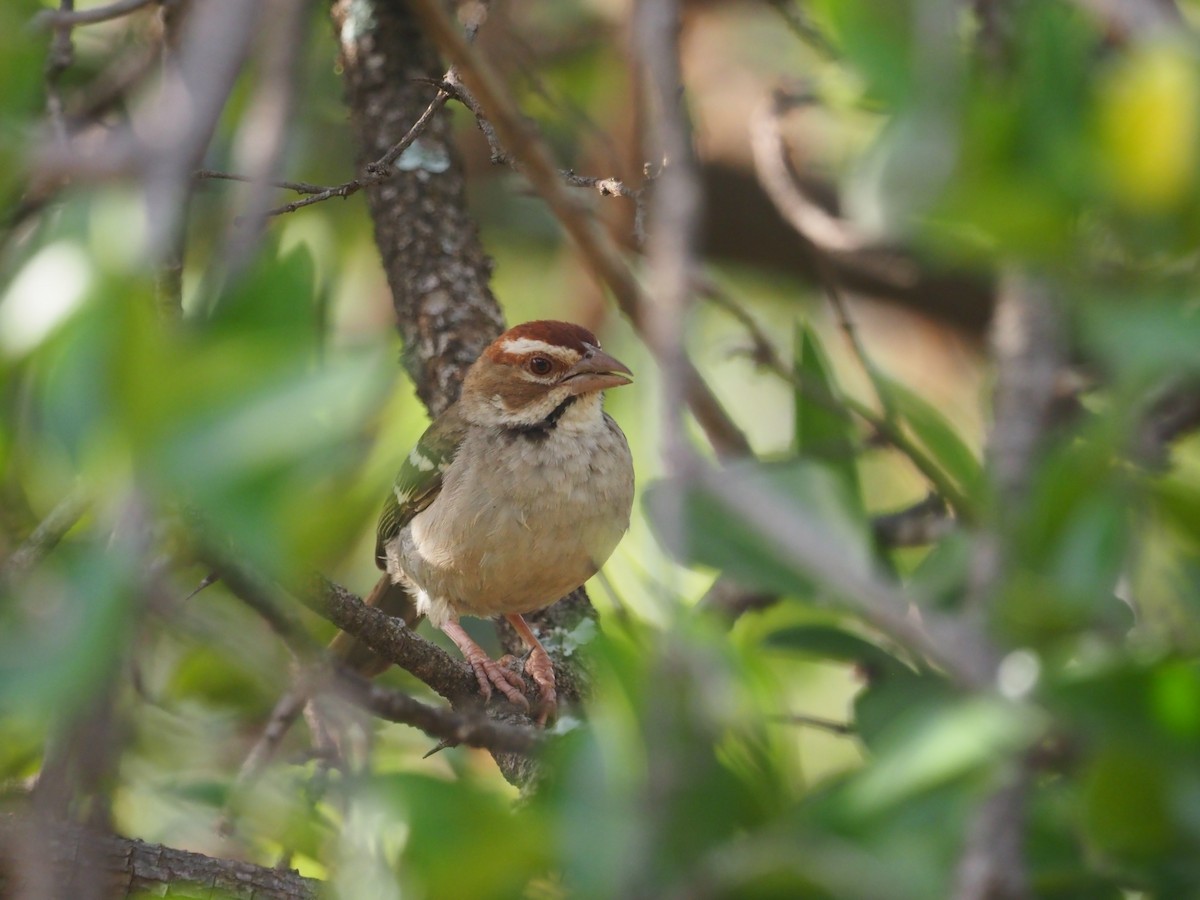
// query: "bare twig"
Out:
[605,187]
[889,430]
[390,638]
[963,652]
[773,166]
[599,251]
[262,139]
[793,14]
[300,187]
[922,523]
[993,866]
[474,730]
[1027,341]
[1028,345]
[58,60]
[44,538]
[168,132]
[733,600]
[821,724]
[129,867]
[66,16]
[676,209]
[1171,415]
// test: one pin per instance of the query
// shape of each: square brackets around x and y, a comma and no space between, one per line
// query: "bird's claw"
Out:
[489,673]
[541,670]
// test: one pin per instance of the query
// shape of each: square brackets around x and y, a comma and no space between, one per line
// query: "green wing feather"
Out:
[420,479]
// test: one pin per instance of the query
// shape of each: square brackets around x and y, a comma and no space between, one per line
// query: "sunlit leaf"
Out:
[823,433]
[935,745]
[938,437]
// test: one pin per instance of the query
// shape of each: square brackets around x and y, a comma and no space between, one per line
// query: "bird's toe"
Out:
[541,669]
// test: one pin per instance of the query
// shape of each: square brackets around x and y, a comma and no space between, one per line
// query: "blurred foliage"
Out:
[270,416]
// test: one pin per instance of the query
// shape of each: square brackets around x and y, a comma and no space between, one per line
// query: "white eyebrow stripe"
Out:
[519,346]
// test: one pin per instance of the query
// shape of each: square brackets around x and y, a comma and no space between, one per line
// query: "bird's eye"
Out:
[539,365]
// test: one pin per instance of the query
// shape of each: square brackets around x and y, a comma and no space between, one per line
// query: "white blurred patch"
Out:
[1018,674]
[42,296]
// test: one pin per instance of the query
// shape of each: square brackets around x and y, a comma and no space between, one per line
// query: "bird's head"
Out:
[531,370]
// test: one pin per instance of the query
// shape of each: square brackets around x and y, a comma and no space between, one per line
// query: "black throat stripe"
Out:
[539,431]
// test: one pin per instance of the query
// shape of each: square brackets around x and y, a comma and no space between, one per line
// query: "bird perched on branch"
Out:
[513,497]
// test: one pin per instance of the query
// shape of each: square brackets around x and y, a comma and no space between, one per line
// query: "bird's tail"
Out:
[392,599]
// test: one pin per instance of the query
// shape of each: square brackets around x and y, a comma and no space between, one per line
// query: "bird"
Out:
[513,497]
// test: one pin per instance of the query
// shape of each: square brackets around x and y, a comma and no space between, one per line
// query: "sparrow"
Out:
[513,497]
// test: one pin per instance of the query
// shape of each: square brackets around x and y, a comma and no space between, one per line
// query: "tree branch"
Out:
[44,538]
[391,639]
[599,251]
[68,18]
[429,245]
[125,868]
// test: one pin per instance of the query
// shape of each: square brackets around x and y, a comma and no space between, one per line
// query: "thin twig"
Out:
[262,140]
[963,652]
[390,638]
[803,27]
[67,17]
[45,537]
[821,232]
[925,522]
[599,251]
[890,431]
[474,730]
[830,725]
[606,187]
[58,60]
[300,187]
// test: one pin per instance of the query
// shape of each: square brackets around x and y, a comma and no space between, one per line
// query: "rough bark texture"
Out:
[125,868]
[430,247]
[436,267]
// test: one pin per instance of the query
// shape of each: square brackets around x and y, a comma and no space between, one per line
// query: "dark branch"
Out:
[598,249]
[392,639]
[130,867]
[448,726]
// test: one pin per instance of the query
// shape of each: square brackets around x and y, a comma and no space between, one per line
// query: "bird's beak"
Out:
[596,372]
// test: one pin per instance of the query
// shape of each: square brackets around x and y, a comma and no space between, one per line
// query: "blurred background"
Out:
[947,141]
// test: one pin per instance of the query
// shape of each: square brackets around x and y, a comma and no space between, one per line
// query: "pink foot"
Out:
[487,671]
[539,667]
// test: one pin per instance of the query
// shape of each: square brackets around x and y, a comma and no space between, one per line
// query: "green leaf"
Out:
[1127,803]
[937,436]
[823,433]
[453,822]
[699,528]
[877,39]
[932,744]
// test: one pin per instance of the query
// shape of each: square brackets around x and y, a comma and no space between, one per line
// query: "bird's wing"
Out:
[420,478]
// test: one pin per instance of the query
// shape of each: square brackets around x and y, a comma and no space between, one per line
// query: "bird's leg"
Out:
[487,670]
[539,667]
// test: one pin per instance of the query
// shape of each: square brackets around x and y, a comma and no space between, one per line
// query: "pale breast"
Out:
[522,519]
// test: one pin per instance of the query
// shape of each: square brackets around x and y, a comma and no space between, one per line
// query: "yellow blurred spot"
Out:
[1148,127]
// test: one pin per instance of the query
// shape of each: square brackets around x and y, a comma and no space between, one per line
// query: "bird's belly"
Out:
[503,563]
[487,547]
